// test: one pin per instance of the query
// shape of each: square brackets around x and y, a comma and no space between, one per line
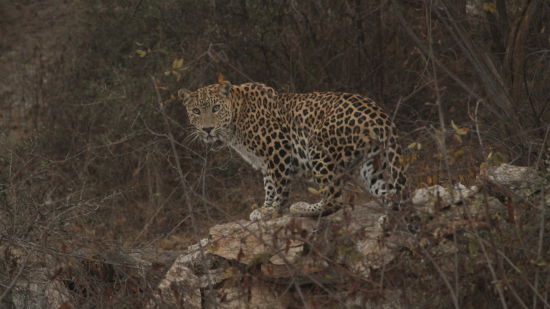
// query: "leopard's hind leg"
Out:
[325,175]
[382,172]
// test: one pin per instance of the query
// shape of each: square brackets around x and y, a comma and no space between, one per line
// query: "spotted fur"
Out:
[327,134]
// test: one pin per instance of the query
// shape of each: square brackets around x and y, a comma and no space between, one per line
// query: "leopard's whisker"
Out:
[192,137]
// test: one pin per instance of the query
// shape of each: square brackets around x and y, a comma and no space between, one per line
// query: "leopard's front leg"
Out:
[276,186]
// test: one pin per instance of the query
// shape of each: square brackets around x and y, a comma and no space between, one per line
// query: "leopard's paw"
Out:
[305,209]
[263,213]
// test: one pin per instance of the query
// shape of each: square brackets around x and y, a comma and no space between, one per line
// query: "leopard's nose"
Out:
[207,129]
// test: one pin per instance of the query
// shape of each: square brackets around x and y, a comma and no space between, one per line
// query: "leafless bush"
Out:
[107,168]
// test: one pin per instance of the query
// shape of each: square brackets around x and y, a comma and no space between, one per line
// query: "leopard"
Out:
[330,136]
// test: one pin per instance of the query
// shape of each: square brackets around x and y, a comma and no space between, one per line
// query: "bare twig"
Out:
[540,242]
[497,284]
[443,277]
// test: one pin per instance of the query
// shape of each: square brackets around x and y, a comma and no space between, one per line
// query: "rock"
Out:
[210,268]
[194,253]
[290,255]
[38,291]
[474,213]
[251,242]
[303,269]
[192,271]
[276,253]
[513,176]
[281,248]
[281,241]
[180,287]
[245,264]
[229,298]
[522,180]
[278,244]
[213,277]
[434,197]
[372,254]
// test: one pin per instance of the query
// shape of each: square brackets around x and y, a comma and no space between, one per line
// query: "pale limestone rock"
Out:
[429,198]
[191,271]
[194,252]
[514,177]
[290,255]
[372,254]
[304,268]
[213,277]
[180,287]
[229,298]
[258,241]
[40,292]
[278,245]
[523,181]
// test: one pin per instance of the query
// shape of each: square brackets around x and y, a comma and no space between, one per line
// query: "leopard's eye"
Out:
[196,111]
[215,108]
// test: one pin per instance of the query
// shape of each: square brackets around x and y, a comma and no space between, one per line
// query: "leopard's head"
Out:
[209,109]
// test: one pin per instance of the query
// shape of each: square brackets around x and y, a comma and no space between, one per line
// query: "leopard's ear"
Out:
[225,88]
[184,95]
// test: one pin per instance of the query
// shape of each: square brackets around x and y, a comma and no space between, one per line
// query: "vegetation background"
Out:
[94,156]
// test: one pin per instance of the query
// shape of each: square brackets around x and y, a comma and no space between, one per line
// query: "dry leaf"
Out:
[177,63]
[141,53]
[489,7]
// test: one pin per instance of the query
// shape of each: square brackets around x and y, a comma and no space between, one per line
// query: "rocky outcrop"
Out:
[40,292]
[295,262]
[280,254]
[55,281]
[272,264]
